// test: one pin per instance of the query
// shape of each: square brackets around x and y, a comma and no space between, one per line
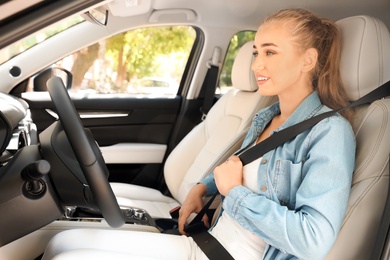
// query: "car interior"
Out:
[207,145]
[84,162]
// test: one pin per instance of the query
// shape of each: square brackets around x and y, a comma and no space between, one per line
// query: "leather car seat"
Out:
[208,144]
[365,65]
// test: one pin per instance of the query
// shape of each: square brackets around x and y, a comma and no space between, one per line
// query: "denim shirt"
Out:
[303,185]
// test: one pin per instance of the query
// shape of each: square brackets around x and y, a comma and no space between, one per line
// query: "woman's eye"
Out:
[269,53]
[255,53]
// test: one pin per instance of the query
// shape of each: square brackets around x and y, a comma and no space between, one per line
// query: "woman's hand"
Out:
[228,175]
[193,203]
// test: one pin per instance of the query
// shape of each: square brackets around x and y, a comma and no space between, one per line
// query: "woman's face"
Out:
[278,62]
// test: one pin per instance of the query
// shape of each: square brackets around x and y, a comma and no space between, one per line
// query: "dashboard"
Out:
[28,199]
[41,175]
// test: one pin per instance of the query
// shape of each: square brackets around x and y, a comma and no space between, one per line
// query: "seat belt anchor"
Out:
[203,117]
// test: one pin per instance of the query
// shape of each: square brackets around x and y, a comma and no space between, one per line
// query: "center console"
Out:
[132,215]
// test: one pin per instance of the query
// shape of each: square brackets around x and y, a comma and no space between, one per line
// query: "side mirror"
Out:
[41,78]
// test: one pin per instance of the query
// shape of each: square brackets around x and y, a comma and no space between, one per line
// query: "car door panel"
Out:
[133,133]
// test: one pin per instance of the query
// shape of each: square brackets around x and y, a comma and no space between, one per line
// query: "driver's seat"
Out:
[365,66]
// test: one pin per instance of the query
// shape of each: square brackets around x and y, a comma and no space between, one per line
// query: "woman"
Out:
[292,200]
[289,203]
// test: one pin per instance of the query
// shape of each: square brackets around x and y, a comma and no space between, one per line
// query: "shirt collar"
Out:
[308,108]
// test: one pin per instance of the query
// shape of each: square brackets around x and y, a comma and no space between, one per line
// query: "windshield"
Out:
[26,43]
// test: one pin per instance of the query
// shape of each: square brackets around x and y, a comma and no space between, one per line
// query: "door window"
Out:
[141,62]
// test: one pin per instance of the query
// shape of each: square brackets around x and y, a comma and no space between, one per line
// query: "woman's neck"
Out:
[289,102]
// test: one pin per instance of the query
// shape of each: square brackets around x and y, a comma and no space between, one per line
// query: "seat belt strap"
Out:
[288,133]
[265,146]
[210,83]
[211,246]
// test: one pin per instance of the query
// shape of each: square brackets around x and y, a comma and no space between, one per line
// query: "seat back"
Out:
[221,133]
[365,65]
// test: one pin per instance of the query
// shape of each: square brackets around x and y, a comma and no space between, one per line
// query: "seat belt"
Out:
[209,245]
[290,132]
[210,83]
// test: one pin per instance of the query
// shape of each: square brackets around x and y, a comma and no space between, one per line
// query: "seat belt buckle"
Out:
[175,212]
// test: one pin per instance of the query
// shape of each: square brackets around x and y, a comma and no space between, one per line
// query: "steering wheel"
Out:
[87,153]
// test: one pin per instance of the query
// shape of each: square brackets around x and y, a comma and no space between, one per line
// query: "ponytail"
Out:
[310,31]
[327,78]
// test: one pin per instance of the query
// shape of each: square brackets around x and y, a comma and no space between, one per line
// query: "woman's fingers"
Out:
[228,175]
[192,204]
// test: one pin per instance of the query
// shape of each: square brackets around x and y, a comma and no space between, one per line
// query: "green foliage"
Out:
[149,51]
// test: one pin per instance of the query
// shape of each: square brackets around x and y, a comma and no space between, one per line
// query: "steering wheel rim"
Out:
[87,153]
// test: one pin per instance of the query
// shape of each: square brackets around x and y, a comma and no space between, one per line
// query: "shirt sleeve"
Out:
[310,229]
[210,184]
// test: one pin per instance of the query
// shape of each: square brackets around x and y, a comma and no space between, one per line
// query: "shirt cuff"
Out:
[233,200]
[209,182]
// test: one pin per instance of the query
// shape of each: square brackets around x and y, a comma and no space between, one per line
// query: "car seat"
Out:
[208,144]
[365,65]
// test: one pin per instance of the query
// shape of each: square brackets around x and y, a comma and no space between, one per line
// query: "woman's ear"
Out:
[310,59]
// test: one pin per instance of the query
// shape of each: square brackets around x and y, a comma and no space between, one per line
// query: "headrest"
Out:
[365,55]
[243,77]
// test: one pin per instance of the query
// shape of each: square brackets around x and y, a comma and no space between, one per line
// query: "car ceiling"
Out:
[219,13]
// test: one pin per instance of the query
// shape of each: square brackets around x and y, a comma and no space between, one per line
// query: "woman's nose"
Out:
[257,64]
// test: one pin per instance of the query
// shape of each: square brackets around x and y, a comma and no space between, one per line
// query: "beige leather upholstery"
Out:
[365,66]
[206,145]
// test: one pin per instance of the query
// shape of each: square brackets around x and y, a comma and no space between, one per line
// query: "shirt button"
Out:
[264,161]
[263,188]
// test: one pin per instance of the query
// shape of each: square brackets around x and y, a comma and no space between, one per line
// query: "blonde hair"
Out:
[311,31]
